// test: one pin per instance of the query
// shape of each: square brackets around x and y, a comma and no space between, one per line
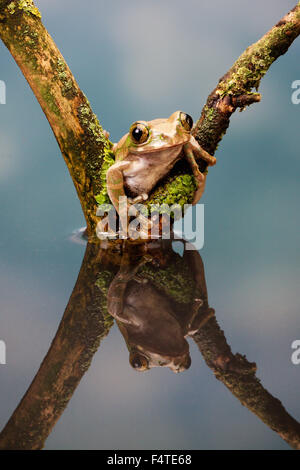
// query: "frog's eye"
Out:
[186,121]
[138,361]
[139,133]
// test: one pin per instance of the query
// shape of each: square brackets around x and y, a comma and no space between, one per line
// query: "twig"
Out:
[237,88]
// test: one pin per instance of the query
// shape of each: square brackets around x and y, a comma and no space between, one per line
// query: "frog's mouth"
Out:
[141,148]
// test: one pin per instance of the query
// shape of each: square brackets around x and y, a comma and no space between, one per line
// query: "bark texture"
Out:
[237,373]
[84,145]
[84,325]
[239,376]
[238,87]
[76,128]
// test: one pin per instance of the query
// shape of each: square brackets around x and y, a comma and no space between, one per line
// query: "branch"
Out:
[75,126]
[77,130]
[84,325]
[86,322]
[237,373]
[236,88]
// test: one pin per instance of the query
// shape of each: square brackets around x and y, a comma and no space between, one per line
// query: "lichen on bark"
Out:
[238,87]
[25,5]
[78,132]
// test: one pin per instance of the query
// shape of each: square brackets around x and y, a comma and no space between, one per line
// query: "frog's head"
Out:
[142,360]
[156,342]
[156,135]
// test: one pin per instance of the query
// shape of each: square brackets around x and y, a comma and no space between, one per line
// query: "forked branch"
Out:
[75,126]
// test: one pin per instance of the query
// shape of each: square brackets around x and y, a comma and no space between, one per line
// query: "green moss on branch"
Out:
[24,5]
[76,128]
[237,88]
[78,131]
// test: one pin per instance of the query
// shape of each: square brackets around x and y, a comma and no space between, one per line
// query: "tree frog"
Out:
[148,152]
[146,320]
[152,323]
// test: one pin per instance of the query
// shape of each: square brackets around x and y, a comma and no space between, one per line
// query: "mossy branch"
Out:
[75,126]
[78,132]
[84,325]
[239,376]
[86,322]
[237,373]
[238,87]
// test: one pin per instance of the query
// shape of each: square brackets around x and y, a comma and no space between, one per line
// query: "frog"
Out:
[147,153]
[155,330]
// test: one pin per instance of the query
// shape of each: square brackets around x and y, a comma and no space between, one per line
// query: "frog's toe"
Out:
[212,161]
[140,198]
[200,189]
[135,200]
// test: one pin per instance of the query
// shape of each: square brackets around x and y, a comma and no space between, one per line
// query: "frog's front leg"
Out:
[199,177]
[190,149]
[199,152]
[117,288]
[115,190]
[115,182]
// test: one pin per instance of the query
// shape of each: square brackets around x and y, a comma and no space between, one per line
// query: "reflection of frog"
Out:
[148,152]
[153,322]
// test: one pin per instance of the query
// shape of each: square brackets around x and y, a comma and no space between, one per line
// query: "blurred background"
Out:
[142,60]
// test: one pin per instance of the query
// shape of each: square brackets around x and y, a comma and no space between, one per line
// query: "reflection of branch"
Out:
[235,88]
[85,323]
[238,375]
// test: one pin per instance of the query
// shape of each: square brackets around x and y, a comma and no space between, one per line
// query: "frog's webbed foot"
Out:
[200,319]
[199,152]
[191,149]
[144,223]
[104,231]
[200,177]
[140,198]
[140,280]
[135,229]
[197,303]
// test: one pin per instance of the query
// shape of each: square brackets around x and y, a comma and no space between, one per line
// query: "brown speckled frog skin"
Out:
[154,330]
[148,152]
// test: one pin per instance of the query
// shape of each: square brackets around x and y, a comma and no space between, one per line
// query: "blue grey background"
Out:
[141,60]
